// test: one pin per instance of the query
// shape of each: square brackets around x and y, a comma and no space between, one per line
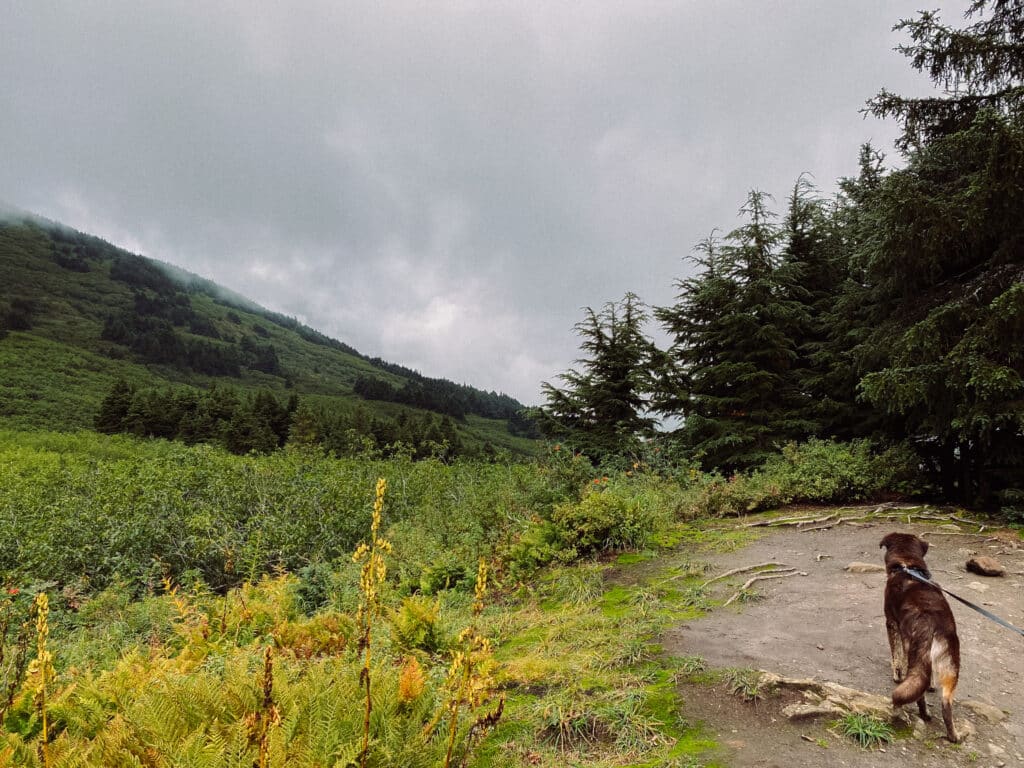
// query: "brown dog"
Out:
[922,631]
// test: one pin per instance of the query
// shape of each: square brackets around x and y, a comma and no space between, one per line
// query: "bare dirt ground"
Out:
[829,625]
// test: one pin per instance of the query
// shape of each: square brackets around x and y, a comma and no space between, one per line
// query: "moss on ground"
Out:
[586,684]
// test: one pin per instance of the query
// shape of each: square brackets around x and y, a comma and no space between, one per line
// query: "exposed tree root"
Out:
[834,523]
[783,521]
[744,569]
[779,574]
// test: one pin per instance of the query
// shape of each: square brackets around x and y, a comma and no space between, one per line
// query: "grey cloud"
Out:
[441,184]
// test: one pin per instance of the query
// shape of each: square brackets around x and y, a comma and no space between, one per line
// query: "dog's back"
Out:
[925,623]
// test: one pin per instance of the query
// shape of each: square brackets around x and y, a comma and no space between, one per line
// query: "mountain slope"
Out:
[77,314]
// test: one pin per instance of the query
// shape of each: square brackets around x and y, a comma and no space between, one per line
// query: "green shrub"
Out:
[820,471]
[604,520]
[564,475]
[447,572]
[717,496]
[416,625]
[827,471]
[539,545]
[623,513]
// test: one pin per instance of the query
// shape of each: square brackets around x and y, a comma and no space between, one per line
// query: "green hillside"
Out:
[78,315]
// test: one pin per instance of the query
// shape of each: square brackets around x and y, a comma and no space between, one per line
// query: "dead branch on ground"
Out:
[763,577]
[744,569]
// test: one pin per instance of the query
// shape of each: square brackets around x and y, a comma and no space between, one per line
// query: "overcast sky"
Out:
[442,184]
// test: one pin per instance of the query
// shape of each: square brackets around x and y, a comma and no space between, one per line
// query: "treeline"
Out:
[220,415]
[438,395]
[357,432]
[260,422]
[73,250]
[892,311]
[162,304]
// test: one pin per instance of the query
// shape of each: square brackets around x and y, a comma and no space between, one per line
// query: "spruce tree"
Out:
[698,376]
[114,408]
[810,278]
[945,267]
[980,69]
[602,408]
[732,379]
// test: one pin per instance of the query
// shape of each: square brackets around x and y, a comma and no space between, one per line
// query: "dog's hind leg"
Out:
[899,653]
[944,657]
[922,709]
[948,686]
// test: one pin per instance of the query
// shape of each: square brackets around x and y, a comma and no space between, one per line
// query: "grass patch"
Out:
[631,558]
[590,684]
[869,732]
[703,536]
[745,683]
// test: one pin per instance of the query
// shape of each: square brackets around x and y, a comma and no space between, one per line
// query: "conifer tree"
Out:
[697,379]
[979,67]
[114,408]
[809,279]
[602,409]
[733,348]
[945,268]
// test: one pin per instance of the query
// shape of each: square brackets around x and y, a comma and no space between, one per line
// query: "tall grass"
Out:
[248,679]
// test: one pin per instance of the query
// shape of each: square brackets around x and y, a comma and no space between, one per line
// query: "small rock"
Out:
[986,566]
[858,567]
[977,586]
[990,712]
[995,750]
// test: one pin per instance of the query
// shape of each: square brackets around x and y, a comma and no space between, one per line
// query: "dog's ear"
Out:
[886,541]
[924,546]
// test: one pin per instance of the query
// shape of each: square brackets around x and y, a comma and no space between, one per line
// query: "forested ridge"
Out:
[892,311]
[87,328]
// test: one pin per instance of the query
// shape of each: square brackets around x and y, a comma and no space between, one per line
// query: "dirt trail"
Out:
[829,625]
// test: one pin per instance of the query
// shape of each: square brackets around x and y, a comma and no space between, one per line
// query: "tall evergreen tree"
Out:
[114,408]
[809,279]
[945,268]
[734,349]
[980,69]
[602,409]
[698,380]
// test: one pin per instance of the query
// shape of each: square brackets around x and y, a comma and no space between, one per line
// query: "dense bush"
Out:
[818,471]
[603,520]
[610,515]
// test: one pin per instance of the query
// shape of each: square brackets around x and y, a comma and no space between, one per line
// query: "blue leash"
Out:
[913,572]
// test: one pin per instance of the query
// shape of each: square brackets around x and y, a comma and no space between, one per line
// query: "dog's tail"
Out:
[919,671]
